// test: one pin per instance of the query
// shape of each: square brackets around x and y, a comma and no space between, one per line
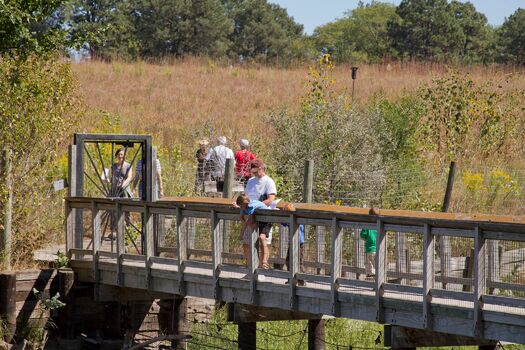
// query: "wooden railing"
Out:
[334,281]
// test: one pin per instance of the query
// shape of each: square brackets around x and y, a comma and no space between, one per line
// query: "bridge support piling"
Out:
[316,334]
[66,279]
[247,335]
[8,303]
[180,323]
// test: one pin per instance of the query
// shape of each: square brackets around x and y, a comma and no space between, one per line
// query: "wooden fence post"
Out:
[6,176]
[8,303]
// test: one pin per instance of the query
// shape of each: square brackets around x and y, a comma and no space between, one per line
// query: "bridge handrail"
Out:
[477,227]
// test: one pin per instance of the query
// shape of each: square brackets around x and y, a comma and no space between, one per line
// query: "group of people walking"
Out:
[260,192]
[211,163]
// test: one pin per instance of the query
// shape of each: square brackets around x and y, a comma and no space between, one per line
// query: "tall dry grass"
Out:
[181,101]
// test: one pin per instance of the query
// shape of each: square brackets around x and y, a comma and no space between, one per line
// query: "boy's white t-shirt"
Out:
[257,187]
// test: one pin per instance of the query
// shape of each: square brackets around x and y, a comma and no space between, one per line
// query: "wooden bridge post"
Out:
[66,280]
[316,334]
[96,216]
[480,280]
[182,247]
[149,242]
[121,246]
[8,303]
[253,263]
[76,182]
[428,274]
[216,241]
[247,336]
[293,264]
[336,265]
[381,266]
[445,250]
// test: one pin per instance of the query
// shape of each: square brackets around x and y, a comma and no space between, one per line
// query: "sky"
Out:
[313,13]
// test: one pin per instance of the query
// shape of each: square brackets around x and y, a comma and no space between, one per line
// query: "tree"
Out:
[103,28]
[512,38]
[28,26]
[427,29]
[477,33]
[262,29]
[38,112]
[181,27]
[361,35]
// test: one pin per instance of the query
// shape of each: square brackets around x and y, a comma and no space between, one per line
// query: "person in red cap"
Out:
[243,157]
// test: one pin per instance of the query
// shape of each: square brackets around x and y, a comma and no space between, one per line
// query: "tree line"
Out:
[436,30]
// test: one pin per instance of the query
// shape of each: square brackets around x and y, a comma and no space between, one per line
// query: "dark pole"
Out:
[354,77]
[247,335]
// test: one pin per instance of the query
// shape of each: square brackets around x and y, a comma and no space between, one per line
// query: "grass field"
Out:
[184,100]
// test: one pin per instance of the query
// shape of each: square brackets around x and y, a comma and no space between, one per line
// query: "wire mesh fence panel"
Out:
[407,188]
[506,268]
[199,239]
[316,252]
[405,258]
[353,255]
[454,263]
[86,223]
[495,190]
[232,244]
[166,239]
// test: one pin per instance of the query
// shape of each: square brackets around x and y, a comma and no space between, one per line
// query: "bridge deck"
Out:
[474,309]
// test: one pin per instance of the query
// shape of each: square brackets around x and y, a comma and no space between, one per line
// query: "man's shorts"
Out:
[265,228]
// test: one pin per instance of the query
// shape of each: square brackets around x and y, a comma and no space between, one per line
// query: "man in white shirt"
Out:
[261,187]
[218,155]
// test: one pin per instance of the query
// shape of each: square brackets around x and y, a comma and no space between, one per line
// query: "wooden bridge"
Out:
[475,289]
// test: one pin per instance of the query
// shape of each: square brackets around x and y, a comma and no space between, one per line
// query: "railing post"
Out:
[445,249]
[336,267]
[293,265]
[253,262]
[216,241]
[96,234]
[182,247]
[121,246]
[493,273]
[76,183]
[480,280]
[6,173]
[381,264]
[149,241]
[428,275]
